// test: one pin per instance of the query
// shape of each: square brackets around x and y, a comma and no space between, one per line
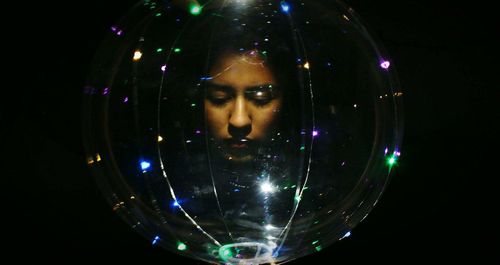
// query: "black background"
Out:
[440,204]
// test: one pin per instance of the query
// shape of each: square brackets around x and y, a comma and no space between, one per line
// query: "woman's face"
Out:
[242,104]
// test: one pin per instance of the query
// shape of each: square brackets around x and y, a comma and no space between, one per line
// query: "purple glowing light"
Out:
[119,33]
[385,64]
[198,132]
[164,68]
[385,151]
[125,100]
[397,153]
[105,91]
[315,133]
[113,28]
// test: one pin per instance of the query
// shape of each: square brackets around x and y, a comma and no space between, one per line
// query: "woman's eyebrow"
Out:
[218,87]
[261,87]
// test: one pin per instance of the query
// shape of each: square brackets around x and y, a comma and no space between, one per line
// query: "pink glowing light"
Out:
[385,64]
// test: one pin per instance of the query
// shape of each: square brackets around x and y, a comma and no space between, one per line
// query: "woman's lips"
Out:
[238,144]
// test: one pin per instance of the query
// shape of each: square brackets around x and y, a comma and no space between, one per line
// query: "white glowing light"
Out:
[269,227]
[346,235]
[267,187]
[137,55]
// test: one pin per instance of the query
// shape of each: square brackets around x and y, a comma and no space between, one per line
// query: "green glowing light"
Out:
[298,198]
[302,148]
[193,105]
[177,50]
[318,248]
[181,246]
[195,10]
[391,161]
[226,254]
[315,242]
[159,50]
[158,14]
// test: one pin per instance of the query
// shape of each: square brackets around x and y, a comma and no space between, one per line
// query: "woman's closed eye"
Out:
[261,96]
[219,96]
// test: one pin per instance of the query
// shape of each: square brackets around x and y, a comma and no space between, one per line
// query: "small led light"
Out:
[267,187]
[385,64]
[137,56]
[181,246]
[145,165]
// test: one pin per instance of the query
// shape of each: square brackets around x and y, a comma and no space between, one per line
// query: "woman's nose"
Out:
[240,117]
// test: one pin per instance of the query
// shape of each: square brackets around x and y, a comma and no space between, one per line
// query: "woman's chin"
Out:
[238,158]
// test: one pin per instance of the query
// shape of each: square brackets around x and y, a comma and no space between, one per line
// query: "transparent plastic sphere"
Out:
[242,132]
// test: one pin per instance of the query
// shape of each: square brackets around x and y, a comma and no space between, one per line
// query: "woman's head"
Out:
[242,104]
[245,81]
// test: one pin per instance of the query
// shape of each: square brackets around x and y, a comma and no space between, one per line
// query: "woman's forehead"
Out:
[237,70]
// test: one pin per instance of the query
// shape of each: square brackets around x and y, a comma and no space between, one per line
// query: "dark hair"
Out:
[212,35]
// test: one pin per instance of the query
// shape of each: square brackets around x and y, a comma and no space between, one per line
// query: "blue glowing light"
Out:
[176,203]
[145,165]
[285,7]
[155,240]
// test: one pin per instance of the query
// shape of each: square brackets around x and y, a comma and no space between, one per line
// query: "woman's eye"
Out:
[261,97]
[218,97]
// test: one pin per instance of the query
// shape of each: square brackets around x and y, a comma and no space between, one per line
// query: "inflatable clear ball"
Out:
[242,131]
